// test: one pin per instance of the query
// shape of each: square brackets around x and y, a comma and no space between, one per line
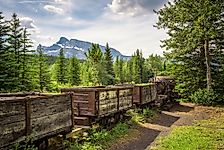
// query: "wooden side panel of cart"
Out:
[34,117]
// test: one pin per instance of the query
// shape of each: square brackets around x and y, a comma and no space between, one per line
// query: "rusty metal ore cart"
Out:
[92,104]
[33,116]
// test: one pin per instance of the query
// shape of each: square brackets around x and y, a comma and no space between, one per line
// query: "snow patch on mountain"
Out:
[77,48]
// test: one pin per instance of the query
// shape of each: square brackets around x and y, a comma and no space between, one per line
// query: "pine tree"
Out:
[14,48]
[96,63]
[155,64]
[192,27]
[121,73]
[109,65]
[74,71]
[61,68]
[26,70]
[43,70]
[116,70]
[5,56]
[130,70]
[138,63]
[119,70]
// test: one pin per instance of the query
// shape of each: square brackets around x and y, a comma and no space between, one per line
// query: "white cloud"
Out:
[124,33]
[62,1]
[135,7]
[69,18]
[126,37]
[46,40]
[28,23]
[130,7]
[43,37]
[33,1]
[53,9]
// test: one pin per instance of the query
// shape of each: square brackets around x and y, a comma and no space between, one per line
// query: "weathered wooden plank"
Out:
[47,101]
[154,92]
[53,105]
[47,115]
[12,121]
[45,125]
[50,114]
[11,132]
[11,112]
[28,117]
[80,105]
[83,111]
[146,94]
[107,102]
[92,104]
[80,98]
[44,111]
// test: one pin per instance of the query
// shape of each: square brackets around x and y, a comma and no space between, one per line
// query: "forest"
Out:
[193,55]
[25,69]
[181,107]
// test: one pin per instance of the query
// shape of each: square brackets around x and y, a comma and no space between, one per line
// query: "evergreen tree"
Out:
[96,63]
[14,48]
[138,63]
[119,70]
[192,27]
[109,65]
[129,70]
[61,68]
[155,64]
[43,70]
[5,56]
[116,70]
[94,54]
[74,71]
[26,70]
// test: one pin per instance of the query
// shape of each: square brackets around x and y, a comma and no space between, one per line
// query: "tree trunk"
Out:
[208,67]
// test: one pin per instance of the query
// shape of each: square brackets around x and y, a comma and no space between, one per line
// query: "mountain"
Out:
[77,48]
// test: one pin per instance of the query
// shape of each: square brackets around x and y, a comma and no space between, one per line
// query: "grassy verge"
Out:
[101,139]
[141,115]
[203,135]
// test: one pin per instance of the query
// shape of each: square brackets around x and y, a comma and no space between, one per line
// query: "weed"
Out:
[23,147]
[141,115]
[99,140]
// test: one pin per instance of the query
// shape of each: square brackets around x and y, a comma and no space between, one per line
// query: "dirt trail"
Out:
[143,136]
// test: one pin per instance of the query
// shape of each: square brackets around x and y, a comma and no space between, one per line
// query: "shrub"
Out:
[140,115]
[136,116]
[119,130]
[148,112]
[204,97]
[99,139]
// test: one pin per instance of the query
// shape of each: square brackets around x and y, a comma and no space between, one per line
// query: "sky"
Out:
[126,25]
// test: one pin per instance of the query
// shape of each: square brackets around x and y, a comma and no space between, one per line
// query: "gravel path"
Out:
[143,136]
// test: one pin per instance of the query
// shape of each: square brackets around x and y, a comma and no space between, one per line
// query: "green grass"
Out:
[99,140]
[141,116]
[23,147]
[192,138]
[203,135]
[103,138]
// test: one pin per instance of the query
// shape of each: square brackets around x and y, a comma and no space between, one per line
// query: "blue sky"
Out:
[125,24]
